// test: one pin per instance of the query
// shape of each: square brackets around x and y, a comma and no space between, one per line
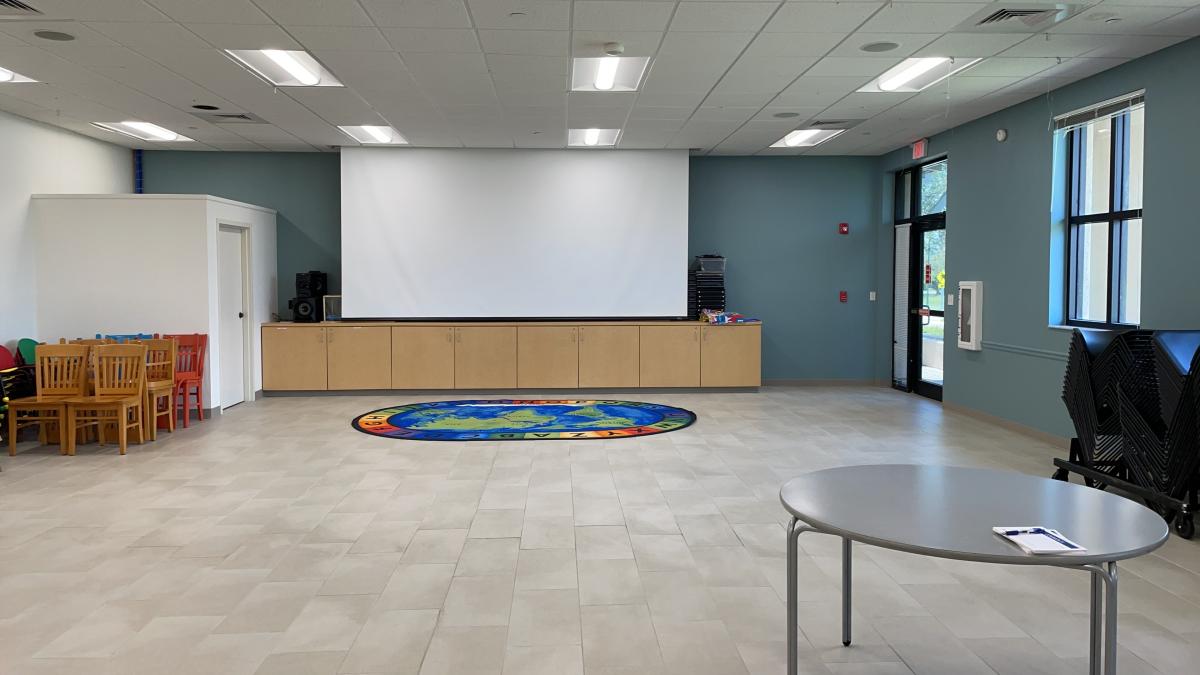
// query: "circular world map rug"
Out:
[522,420]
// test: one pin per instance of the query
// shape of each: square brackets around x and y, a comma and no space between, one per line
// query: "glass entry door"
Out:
[918,339]
[927,309]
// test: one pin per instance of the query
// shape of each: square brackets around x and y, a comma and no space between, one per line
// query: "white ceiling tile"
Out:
[705,134]
[920,17]
[432,40]
[724,113]
[1133,46]
[521,14]
[212,11]
[864,105]
[786,45]
[579,117]
[108,10]
[348,38]
[756,75]
[636,43]
[141,35]
[316,12]
[244,36]
[721,16]
[679,114]
[844,66]
[1045,44]
[418,13]
[610,15]
[1133,18]
[530,42]
[803,114]
[1008,66]
[739,98]
[908,43]
[813,90]
[540,99]
[1081,67]
[820,17]
[714,47]
[971,44]
[602,99]
[84,36]
[336,105]
[1184,24]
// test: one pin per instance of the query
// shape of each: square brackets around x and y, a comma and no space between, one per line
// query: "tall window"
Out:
[1104,213]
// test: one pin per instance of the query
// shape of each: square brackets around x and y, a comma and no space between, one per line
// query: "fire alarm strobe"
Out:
[843,228]
[843,297]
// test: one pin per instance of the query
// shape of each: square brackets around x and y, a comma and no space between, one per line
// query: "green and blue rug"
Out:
[522,420]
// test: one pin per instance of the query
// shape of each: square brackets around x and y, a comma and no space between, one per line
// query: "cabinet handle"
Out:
[330,335]
[458,335]
[449,335]
[321,336]
[572,335]
[581,334]
[695,335]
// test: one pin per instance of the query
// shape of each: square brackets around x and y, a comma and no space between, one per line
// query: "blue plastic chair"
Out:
[123,338]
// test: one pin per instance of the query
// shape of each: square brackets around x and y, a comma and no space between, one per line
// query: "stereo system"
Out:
[311,287]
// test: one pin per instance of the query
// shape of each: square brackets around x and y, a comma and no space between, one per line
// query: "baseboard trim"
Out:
[824,383]
[563,393]
[1044,436]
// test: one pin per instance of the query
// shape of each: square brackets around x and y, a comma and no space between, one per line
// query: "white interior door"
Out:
[231,294]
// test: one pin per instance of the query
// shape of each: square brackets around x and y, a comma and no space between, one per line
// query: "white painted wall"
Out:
[35,158]
[146,263]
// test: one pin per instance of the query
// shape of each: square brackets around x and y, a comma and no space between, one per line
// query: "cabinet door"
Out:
[293,358]
[731,356]
[422,357]
[670,356]
[360,357]
[608,356]
[485,357]
[548,357]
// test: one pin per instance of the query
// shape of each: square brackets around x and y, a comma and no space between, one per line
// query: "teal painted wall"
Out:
[303,187]
[776,221]
[999,231]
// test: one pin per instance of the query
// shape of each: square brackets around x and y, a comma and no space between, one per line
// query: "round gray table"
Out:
[949,512]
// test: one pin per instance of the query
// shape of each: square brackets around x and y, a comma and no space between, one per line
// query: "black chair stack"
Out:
[706,284]
[1134,399]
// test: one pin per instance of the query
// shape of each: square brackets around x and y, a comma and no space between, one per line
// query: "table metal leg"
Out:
[1097,622]
[846,563]
[793,647]
[1110,619]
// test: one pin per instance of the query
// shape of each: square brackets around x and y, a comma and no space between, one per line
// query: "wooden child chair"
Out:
[160,384]
[60,375]
[189,373]
[119,378]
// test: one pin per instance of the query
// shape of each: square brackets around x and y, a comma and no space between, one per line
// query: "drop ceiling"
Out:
[496,73]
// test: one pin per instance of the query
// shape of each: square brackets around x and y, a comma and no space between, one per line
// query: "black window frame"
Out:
[1116,219]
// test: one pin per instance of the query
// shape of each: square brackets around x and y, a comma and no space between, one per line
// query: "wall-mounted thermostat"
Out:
[970,315]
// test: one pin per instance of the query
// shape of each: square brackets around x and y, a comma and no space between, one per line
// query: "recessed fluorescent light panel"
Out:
[368,134]
[592,138]
[9,77]
[285,68]
[915,74]
[143,131]
[608,73]
[806,138]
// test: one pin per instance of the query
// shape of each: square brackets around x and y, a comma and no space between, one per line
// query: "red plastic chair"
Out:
[189,373]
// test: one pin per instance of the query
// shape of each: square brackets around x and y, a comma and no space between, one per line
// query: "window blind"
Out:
[1102,110]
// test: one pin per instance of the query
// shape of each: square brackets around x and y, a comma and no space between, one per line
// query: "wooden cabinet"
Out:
[485,357]
[670,356]
[547,357]
[293,358]
[423,357]
[608,356]
[731,356]
[360,357]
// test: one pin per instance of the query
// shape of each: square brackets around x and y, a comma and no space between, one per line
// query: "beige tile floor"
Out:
[275,540]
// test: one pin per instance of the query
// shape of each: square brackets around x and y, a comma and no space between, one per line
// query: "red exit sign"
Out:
[919,148]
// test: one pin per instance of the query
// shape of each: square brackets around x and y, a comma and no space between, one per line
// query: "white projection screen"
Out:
[456,233]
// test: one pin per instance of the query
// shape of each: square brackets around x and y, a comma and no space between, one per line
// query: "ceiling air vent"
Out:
[1026,16]
[1018,17]
[231,118]
[16,8]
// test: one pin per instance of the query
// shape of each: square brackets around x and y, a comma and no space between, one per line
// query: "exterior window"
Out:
[1104,214]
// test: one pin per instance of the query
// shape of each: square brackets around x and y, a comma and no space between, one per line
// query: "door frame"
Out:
[243,232]
[916,269]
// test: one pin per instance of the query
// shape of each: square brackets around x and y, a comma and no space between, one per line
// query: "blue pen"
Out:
[1041,530]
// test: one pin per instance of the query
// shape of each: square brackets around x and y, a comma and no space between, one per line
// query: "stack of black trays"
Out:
[706,285]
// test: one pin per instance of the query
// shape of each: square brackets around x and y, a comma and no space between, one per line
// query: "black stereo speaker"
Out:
[305,310]
[312,284]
